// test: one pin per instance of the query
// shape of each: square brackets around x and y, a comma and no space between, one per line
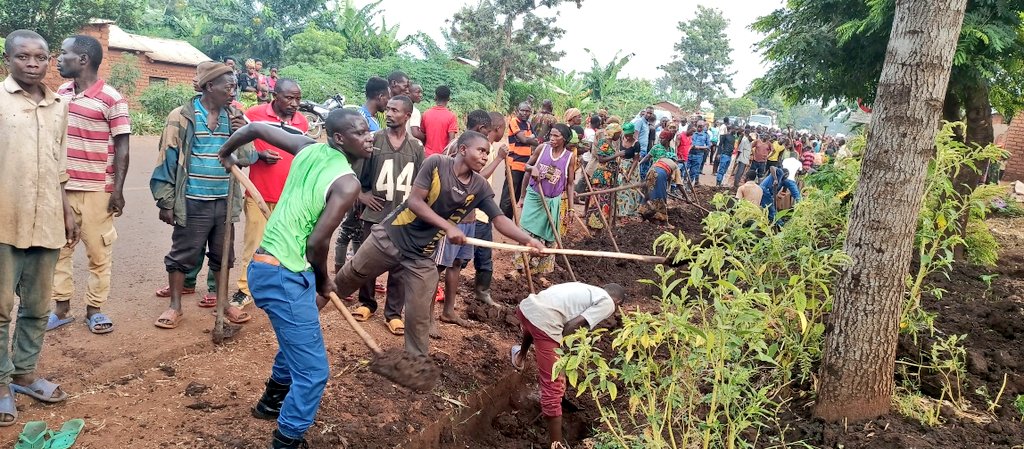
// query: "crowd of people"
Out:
[401,188]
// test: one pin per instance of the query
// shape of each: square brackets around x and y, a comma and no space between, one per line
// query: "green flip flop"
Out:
[32,436]
[65,437]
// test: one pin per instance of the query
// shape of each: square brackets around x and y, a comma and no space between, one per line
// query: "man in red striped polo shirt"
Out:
[98,130]
[267,175]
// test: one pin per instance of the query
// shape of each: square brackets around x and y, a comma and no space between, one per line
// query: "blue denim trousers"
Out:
[723,166]
[482,256]
[693,164]
[289,299]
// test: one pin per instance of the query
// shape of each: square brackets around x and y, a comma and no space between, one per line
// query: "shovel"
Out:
[415,372]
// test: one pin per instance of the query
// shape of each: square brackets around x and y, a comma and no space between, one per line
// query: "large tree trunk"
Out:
[979,134]
[500,91]
[856,376]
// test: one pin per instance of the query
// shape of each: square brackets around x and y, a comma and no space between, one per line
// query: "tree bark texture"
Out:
[500,91]
[979,134]
[858,362]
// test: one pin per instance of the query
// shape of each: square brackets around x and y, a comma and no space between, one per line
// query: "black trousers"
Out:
[204,228]
[506,200]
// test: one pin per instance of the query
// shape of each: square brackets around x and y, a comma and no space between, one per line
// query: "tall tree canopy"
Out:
[365,38]
[700,67]
[508,39]
[58,19]
[833,50]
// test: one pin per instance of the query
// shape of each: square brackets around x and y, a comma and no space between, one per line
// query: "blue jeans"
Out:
[723,166]
[693,164]
[644,167]
[482,256]
[760,168]
[289,299]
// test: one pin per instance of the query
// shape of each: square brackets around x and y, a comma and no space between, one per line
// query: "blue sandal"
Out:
[8,407]
[54,322]
[40,390]
[98,319]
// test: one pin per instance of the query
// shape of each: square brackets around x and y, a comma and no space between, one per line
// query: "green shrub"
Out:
[160,99]
[146,124]
[315,47]
[124,75]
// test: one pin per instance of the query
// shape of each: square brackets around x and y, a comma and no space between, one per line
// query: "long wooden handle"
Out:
[554,229]
[612,190]
[569,252]
[367,338]
[249,187]
[515,215]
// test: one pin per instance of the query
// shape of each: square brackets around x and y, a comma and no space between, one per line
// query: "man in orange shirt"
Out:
[521,142]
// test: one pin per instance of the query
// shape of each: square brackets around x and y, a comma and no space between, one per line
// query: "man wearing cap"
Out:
[191,187]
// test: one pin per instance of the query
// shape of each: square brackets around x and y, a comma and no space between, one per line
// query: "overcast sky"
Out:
[606,26]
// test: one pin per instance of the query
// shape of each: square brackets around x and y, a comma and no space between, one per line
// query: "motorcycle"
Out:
[316,113]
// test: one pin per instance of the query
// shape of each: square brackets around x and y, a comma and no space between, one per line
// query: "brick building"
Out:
[159,60]
[1014,143]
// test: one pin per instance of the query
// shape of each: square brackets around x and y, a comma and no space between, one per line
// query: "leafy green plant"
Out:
[943,206]
[125,74]
[145,124]
[1008,207]
[160,99]
[741,319]
[316,47]
[1018,403]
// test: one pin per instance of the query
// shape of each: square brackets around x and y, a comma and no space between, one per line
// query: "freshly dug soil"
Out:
[416,372]
[992,318]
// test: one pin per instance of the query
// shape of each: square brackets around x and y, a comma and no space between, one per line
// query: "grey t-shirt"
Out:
[550,309]
[447,197]
[389,173]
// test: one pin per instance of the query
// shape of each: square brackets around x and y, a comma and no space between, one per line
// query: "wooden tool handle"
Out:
[569,252]
[370,342]
[612,190]
[249,187]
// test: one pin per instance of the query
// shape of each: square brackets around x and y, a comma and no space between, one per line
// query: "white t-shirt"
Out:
[723,130]
[414,119]
[792,165]
[550,309]
[589,136]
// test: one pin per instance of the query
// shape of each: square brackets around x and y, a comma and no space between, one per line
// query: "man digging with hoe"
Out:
[290,267]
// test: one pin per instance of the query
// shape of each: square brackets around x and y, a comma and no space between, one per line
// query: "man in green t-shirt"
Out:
[290,267]
[443,192]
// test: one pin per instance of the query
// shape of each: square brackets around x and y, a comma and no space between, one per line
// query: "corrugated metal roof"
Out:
[158,49]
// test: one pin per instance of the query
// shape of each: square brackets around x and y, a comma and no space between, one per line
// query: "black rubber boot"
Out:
[269,405]
[283,442]
[482,287]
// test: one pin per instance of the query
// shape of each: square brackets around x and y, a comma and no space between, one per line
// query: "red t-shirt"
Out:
[436,123]
[683,150]
[269,179]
